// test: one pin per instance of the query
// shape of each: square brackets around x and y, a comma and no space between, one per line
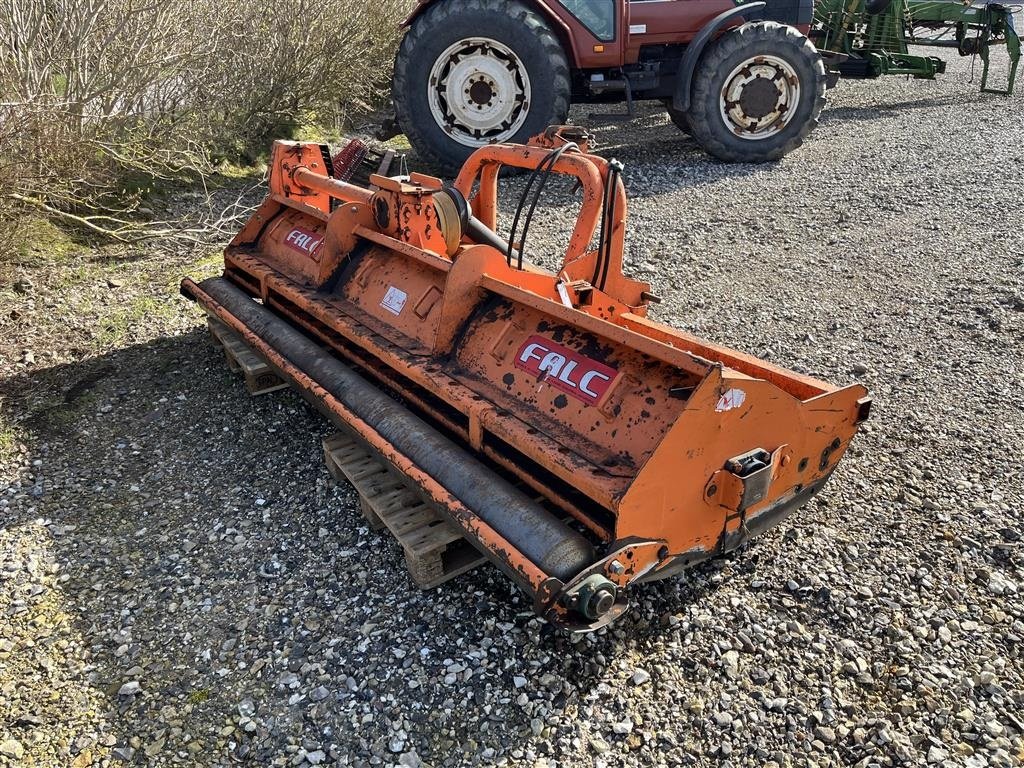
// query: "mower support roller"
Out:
[547,542]
[577,444]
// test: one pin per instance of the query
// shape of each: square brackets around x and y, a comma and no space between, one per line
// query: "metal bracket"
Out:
[755,470]
[744,481]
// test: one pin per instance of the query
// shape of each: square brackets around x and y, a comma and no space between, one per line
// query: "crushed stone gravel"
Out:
[181,584]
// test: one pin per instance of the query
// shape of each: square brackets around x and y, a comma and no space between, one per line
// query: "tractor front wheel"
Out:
[476,72]
[757,93]
[678,117]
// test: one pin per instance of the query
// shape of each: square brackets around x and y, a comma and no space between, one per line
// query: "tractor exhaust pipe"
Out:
[519,522]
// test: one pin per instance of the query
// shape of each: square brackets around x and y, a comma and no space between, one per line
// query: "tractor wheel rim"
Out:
[479,92]
[760,97]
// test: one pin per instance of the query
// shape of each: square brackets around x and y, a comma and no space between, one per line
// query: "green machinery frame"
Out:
[872,37]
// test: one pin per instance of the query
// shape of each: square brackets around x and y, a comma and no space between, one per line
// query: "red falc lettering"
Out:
[565,369]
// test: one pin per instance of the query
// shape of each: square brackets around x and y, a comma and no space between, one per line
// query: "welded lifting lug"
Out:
[744,480]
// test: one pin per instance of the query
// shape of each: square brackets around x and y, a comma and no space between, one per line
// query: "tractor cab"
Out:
[611,33]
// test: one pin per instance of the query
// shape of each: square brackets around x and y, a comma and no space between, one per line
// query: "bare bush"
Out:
[100,97]
[316,61]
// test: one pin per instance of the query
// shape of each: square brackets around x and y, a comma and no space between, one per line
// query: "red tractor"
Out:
[743,79]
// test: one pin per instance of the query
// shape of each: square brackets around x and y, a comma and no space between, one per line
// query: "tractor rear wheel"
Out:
[476,72]
[757,93]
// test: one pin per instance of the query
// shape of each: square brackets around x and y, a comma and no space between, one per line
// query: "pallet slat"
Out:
[428,538]
[435,551]
[259,377]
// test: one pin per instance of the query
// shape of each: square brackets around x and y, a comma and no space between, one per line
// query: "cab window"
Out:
[596,15]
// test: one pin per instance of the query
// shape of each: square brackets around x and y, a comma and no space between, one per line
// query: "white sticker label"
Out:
[732,399]
[394,300]
[638,29]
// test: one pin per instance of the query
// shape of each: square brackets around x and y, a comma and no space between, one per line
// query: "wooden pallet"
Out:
[259,377]
[435,551]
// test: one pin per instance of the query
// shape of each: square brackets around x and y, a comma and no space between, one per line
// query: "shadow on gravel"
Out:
[892,109]
[660,159]
[206,557]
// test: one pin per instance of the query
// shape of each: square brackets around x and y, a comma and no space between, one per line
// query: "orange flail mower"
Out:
[580,446]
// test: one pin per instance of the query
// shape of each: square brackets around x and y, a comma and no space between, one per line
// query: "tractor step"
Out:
[260,378]
[623,84]
[435,551]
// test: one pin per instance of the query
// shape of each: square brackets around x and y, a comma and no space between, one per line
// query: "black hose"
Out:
[608,230]
[541,171]
[519,211]
[601,238]
[553,158]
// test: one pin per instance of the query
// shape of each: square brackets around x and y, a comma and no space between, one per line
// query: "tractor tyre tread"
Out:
[764,37]
[677,117]
[420,129]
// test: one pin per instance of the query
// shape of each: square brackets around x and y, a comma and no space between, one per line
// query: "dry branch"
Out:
[100,98]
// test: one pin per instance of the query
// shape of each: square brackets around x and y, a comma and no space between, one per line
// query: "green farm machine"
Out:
[874,37]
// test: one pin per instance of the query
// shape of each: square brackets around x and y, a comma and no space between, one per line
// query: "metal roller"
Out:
[549,543]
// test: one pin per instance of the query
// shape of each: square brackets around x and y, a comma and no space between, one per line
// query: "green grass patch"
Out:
[66,415]
[143,309]
[399,143]
[210,264]
[58,416]
[205,266]
[8,441]
[231,171]
[38,242]
[75,274]
[198,696]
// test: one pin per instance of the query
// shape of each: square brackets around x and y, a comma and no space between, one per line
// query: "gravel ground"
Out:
[180,583]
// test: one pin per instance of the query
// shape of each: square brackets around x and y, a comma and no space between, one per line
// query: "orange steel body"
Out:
[635,430]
